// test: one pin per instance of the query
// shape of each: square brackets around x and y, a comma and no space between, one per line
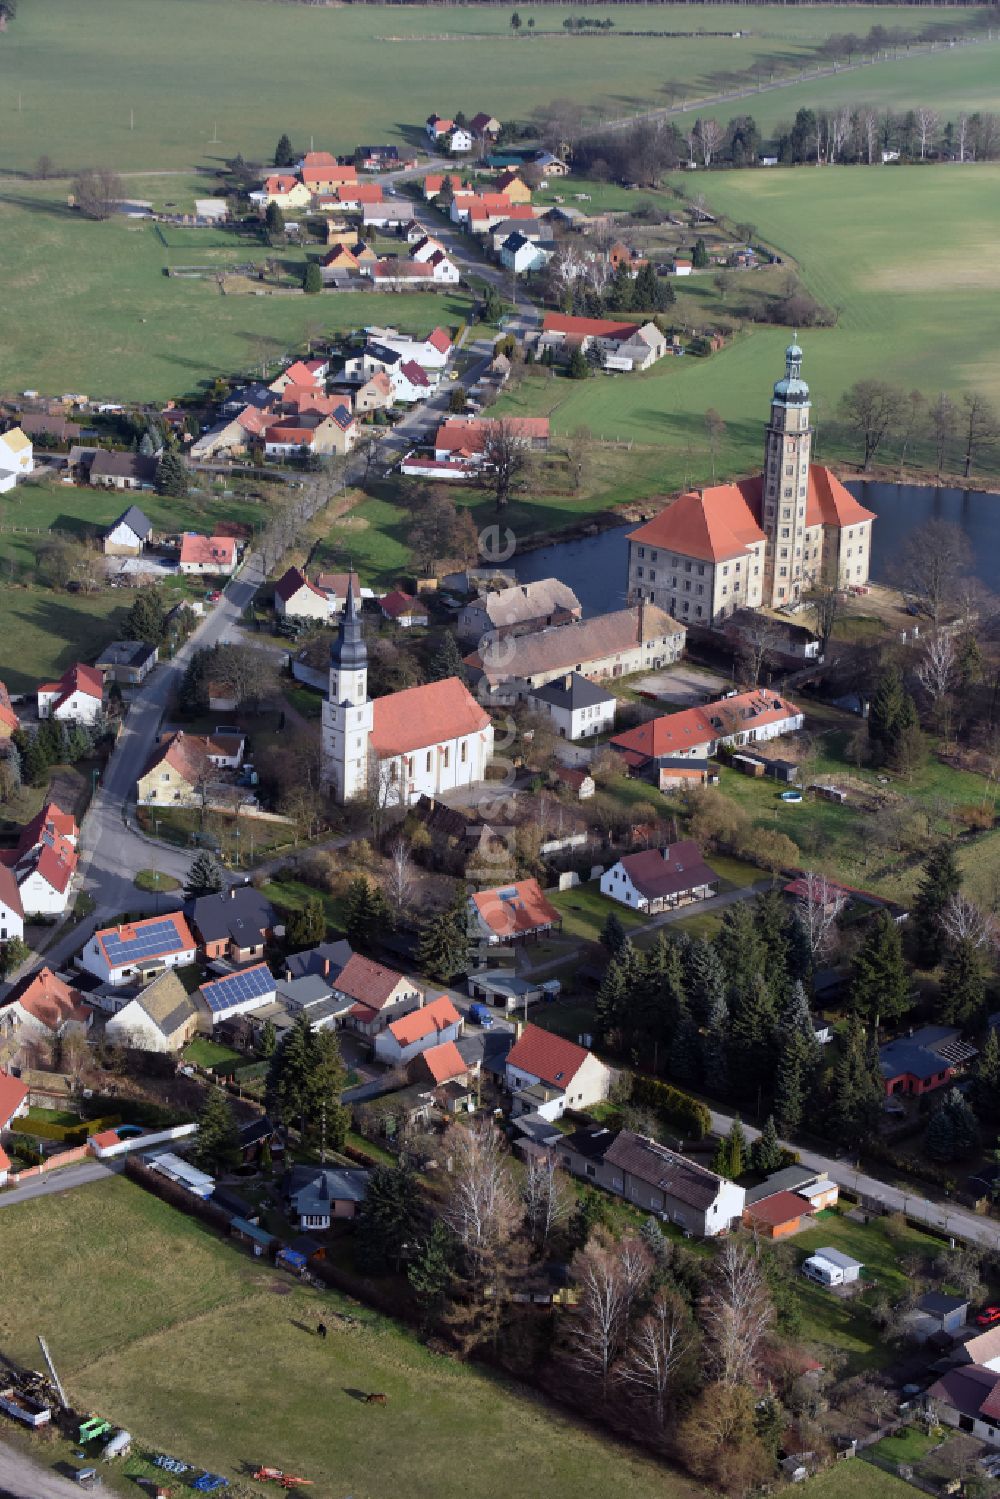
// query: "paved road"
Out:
[935,1214]
[21,1477]
[64,1179]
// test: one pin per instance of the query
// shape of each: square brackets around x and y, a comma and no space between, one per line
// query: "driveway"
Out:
[22,1477]
[64,1179]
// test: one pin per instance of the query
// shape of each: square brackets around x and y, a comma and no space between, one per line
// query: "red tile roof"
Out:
[444,1062]
[510,910]
[301,400]
[280,182]
[783,1207]
[693,728]
[185,753]
[291,582]
[12,1094]
[51,1001]
[469,435]
[338,583]
[437,1016]
[10,895]
[372,984]
[55,864]
[208,550]
[397,604]
[414,372]
[360,192]
[402,270]
[8,717]
[253,421]
[305,373]
[419,717]
[322,159]
[50,821]
[289,433]
[85,679]
[547,1056]
[587,327]
[440,339]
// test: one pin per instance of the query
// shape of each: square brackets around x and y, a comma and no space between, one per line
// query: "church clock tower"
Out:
[348,715]
[787,448]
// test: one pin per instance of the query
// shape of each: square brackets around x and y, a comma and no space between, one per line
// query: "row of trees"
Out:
[953,431]
[588,286]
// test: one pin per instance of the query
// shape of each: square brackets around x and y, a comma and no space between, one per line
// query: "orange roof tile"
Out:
[511,910]
[444,1062]
[547,1056]
[440,339]
[783,1207]
[12,1094]
[51,1001]
[587,327]
[8,717]
[437,1016]
[419,717]
[372,984]
[10,895]
[469,435]
[208,550]
[694,728]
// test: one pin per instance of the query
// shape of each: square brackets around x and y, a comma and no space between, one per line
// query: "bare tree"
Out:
[597,1333]
[481,1207]
[914,408]
[927,123]
[943,420]
[548,1198]
[401,883]
[872,408]
[710,134]
[932,565]
[659,1347]
[579,450]
[936,671]
[505,453]
[819,905]
[715,430]
[736,1313]
[840,125]
[44,168]
[979,426]
[759,637]
[827,604]
[97,193]
[962,136]
[869,128]
[963,921]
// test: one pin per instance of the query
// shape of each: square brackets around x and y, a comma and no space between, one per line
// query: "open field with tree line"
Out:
[207,1317]
[351,74]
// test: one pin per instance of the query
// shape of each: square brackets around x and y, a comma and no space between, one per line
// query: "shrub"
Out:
[975,816]
[686,1115]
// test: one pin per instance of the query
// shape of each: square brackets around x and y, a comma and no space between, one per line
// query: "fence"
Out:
[65,1158]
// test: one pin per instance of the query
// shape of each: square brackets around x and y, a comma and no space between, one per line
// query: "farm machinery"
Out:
[283,1480]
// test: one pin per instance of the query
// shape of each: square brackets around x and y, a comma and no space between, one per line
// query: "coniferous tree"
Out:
[447,661]
[799,958]
[287,1077]
[986,1079]
[891,713]
[147,617]
[612,1008]
[307,927]
[430,1270]
[880,988]
[283,153]
[858,1090]
[731,1153]
[715,1048]
[796,1018]
[312,279]
[963,984]
[361,925]
[740,945]
[613,937]
[324,1117]
[765,1152]
[952,1130]
[793,1075]
[204,877]
[685,1051]
[751,1037]
[579,366]
[443,947]
[652,1017]
[267,1041]
[172,475]
[216,1146]
[941,880]
[699,255]
[704,979]
[274,219]
[390,1216]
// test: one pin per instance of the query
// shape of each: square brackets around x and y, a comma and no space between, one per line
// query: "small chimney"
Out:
[232,892]
[568,680]
[326,967]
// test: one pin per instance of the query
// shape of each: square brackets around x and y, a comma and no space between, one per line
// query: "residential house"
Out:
[657,880]
[695,733]
[620,345]
[316,1195]
[235,435]
[282,189]
[77,697]
[403,609]
[460,141]
[968,1399]
[982,1348]
[380,995]
[353,196]
[394,271]
[483,124]
[134,950]
[127,662]
[234,994]
[391,216]
[336,586]
[327,959]
[48,425]
[609,645]
[814,1187]
[376,394]
[312,996]
[763,541]
[653,1178]
[548,1074]
[432,352]
[577,707]
[926,1059]
[42,1007]
[551,165]
[466,437]
[437,127]
[520,609]
[9,721]
[444,1068]
[179,771]
[522,254]
[435,181]
[410,382]
[301,372]
[382,158]
[682,266]
[622,256]
[424,247]
[44,862]
[512,913]
[322,176]
[580,782]
[524,221]
[127,536]
[16,458]
[436,1022]
[13,1100]
[778,1216]
[236,924]
[123,470]
[207,555]
[294,435]
[937,1315]
[296,598]
[163,1017]
[513,186]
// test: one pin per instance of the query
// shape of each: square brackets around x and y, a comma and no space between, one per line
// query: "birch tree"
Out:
[736,1313]
[659,1348]
[819,906]
[927,123]
[548,1198]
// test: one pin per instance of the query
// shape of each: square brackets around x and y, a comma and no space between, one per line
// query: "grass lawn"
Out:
[855,1479]
[206,1317]
[257,837]
[292,895]
[585,910]
[205,1053]
[908,1447]
[154,881]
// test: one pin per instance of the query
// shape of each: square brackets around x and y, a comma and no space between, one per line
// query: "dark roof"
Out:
[313,1189]
[659,1167]
[241,913]
[677,868]
[968,1389]
[939,1305]
[779,1207]
[787,1180]
[572,692]
[126,653]
[927,1052]
[136,521]
[124,466]
[254,1131]
[325,961]
[590,1143]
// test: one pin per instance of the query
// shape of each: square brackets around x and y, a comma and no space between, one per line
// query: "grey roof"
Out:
[659,1167]
[124,466]
[835,1257]
[790,1179]
[939,1305]
[927,1052]
[525,602]
[537,1128]
[167,1002]
[327,959]
[312,1190]
[572,692]
[136,521]
[304,991]
[241,914]
[126,653]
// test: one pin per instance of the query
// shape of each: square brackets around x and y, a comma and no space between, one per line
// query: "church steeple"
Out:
[787,451]
[348,715]
[348,651]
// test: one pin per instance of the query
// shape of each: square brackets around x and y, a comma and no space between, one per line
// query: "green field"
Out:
[855,1479]
[241,1378]
[208,78]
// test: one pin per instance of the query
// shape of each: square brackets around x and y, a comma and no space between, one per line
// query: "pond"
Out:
[595,566]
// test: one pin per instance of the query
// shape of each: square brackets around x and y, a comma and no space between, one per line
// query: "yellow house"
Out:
[284,190]
[511,184]
[175,774]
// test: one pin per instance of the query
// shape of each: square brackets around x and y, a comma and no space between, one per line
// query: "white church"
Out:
[422,741]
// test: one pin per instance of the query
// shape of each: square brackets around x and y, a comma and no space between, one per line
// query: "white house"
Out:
[694,733]
[212,555]
[16,458]
[235,994]
[296,598]
[656,880]
[433,352]
[127,536]
[42,1007]
[577,707]
[123,954]
[968,1398]
[11,908]
[547,1075]
[76,698]
[426,246]
[163,1017]
[404,1039]
[459,141]
[411,382]
[520,254]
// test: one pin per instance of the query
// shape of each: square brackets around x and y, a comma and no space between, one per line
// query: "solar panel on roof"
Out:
[236,988]
[152,940]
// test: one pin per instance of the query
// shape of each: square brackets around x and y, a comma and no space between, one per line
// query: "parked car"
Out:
[479,1014]
[988,1316]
